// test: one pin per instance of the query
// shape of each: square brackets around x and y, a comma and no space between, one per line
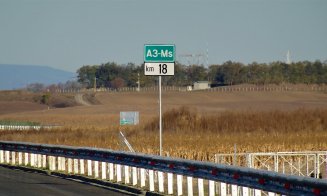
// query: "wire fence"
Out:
[234,88]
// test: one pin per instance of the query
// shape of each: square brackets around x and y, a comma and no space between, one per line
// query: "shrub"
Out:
[45,99]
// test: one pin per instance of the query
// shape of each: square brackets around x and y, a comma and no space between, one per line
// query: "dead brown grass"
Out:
[17,95]
[189,134]
[211,122]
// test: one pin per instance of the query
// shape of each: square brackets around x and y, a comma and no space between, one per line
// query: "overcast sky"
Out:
[67,34]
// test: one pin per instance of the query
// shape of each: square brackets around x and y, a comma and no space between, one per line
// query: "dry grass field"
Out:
[196,124]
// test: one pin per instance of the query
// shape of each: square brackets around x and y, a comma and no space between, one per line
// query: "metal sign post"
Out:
[127,118]
[159,60]
[160,117]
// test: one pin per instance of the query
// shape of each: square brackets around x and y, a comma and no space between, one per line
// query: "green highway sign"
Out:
[159,53]
[126,122]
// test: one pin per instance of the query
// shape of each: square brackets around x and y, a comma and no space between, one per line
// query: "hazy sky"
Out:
[67,34]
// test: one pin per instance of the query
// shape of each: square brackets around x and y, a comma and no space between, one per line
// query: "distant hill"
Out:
[18,76]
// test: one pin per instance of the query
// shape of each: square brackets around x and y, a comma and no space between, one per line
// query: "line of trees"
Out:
[112,75]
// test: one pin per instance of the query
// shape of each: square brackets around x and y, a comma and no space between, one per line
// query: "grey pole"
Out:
[160,117]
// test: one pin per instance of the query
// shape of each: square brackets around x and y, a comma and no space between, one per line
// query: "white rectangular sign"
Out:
[129,118]
[159,69]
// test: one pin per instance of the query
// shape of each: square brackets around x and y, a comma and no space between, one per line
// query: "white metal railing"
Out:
[306,163]
[27,127]
[130,168]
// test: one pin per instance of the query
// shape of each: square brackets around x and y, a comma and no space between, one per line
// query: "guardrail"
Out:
[302,163]
[136,169]
[27,127]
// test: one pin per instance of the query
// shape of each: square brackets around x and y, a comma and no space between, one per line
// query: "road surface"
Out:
[79,99]
[17,182]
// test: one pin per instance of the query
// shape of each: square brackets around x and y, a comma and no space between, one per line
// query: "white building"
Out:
[201,85]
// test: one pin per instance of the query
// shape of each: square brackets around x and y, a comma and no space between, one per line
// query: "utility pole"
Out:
[207,55]
[138,82]
[193,58]
[288,57]
[95,84]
